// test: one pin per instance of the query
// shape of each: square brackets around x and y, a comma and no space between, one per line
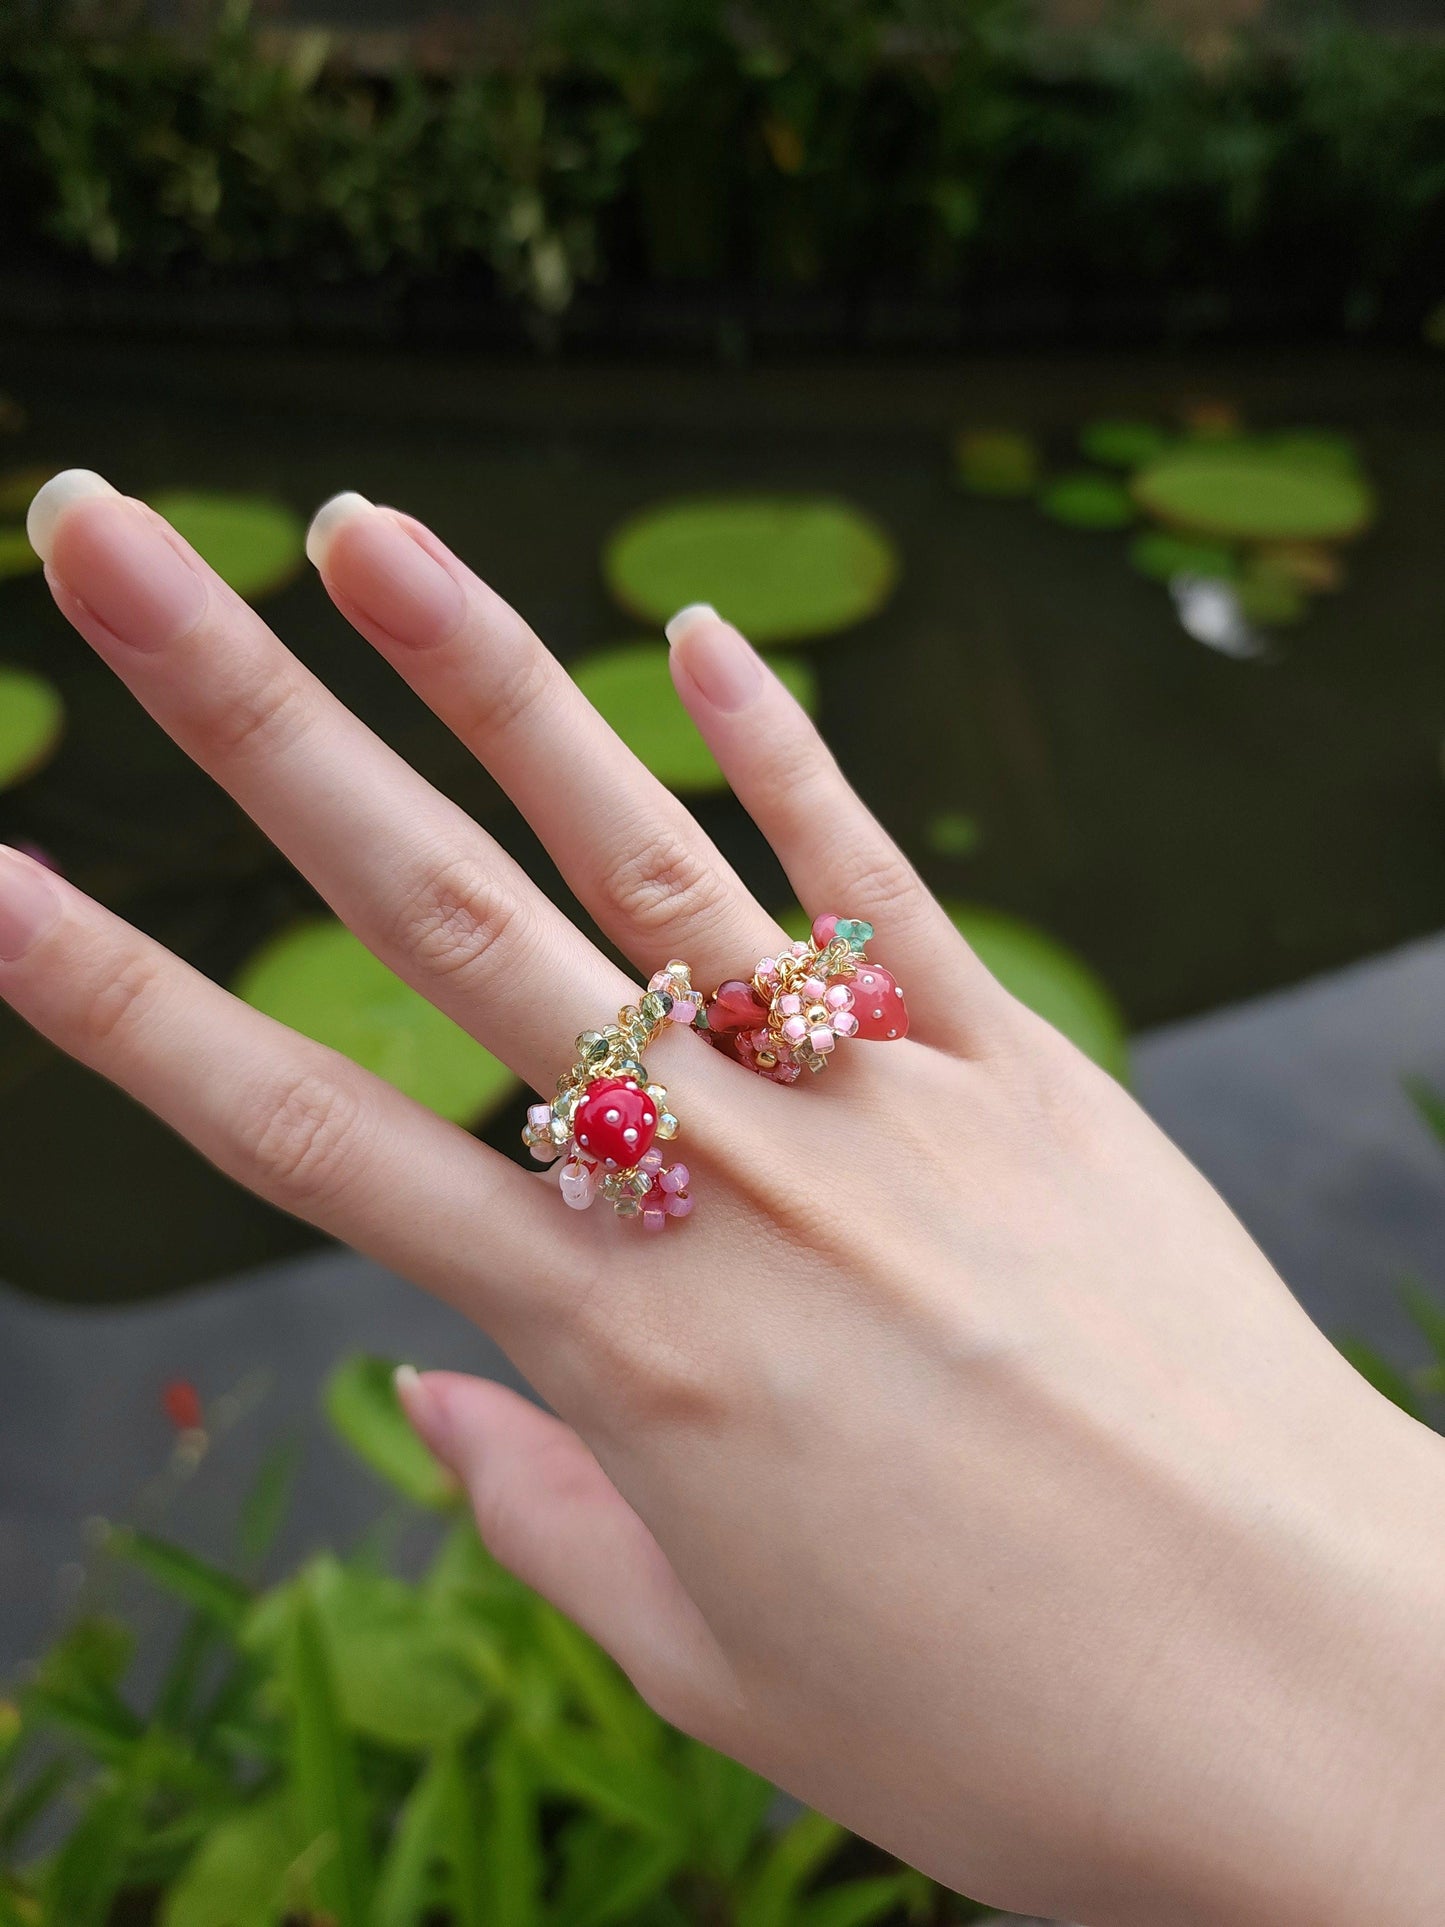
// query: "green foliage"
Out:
[781,567]
[1258,490]
[32,719]
[998,462]
[1051,980]
[375,1752]
[1088,500]
[321,980]
[902,146]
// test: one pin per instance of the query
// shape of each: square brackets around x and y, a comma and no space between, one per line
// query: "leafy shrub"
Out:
[853,146]
[351,1748]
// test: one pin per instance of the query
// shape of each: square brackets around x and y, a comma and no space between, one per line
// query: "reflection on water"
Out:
[1196,829]
[1209,611]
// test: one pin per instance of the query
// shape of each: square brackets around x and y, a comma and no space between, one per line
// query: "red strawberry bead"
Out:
[616,1121]
[878,1003]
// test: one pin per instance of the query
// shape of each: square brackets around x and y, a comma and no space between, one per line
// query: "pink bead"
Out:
[684,1010]
[845,1024]
[823,928]
[674,1178]
[652,1163]
[654,1218]
[791,1004]
[800,949]
[546,1151]
[795,1029]
[539,1116]
[678,1204]
[767,968]
[821,1039]
[814,990]
[577,1185]
[838,997]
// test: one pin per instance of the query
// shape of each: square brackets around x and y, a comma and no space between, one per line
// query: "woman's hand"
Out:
[962,1465]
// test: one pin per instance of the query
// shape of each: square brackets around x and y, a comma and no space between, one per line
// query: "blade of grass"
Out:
[325,1774]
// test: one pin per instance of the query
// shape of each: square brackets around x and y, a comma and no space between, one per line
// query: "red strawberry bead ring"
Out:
[801,1002]
[607,1118]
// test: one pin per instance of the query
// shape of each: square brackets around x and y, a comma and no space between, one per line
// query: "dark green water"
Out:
[1200,829]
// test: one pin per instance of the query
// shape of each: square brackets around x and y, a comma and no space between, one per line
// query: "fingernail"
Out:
[423,1415]
[329,520]
[384,572]
[29,904]
[726,669]
[121,565]
[685,618]
[53,498]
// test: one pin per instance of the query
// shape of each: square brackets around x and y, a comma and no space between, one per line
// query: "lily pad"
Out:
[781,567]
[1088,501]
[1050,979]
[16,555]
[1163,556]
[631,688]
[253,543]
[1123,444]
[1249,491]
[322,981]
[997,462]
[32,720]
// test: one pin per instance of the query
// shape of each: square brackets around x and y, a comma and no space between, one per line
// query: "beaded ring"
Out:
[801,1002]
[606,1115]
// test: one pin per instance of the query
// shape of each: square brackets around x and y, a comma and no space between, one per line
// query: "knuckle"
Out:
[116,1004]
[261,715]
[663,883]
[651,1378]
[508,697]
[888,885]
[455,919]
[301,1139]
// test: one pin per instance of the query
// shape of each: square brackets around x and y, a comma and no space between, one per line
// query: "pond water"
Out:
[1197,827]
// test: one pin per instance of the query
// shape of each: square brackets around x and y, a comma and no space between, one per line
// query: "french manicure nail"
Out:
[328,522]
[725,669]
[385,573]
[29,904]
[685,619]
[53,498]
[121,565]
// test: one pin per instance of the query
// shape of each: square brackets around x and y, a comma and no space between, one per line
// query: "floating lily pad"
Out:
[781,567]
[1050,979]
[997,462]
[631,688]
[1314,448]
[322,981]
[16,555]
[1088,501]
[1039,971]
[32,719]
[1164,556]
[1248,491]
[953,833]
[253,543]
[1123,444]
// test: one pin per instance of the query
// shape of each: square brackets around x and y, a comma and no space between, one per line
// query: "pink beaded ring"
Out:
[801,1002]
[607,1118]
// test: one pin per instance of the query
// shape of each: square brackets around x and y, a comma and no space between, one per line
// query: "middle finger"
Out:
[637,859]
[421,884]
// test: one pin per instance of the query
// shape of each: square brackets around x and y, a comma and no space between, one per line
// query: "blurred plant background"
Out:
[1053,391]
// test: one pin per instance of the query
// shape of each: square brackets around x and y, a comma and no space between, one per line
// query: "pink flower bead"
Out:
[654,1217]
[791,1005]
[821,1039]
[838,997]
[845,1024]
[674,1178]
[795,1028]
[578,1184]
[678,1204]
[539,1116]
